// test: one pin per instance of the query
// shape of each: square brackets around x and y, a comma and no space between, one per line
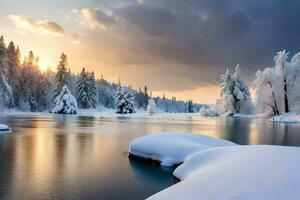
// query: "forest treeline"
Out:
[25,87]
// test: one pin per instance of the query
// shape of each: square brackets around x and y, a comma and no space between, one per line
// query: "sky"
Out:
[175,47]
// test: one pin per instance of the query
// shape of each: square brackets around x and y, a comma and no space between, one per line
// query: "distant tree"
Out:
[151,107]
[145,97]
[5,89]
[86,90]
[106,93]
[62,75]
[29,83]
[190,107]
[14,71]
[65,102]
[124,101]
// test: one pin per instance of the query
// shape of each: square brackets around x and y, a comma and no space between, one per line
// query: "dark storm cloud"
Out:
[194,41]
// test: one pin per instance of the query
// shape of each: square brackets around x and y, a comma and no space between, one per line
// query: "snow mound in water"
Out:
[238,172]
[173,148]
[4,129]
[290,117]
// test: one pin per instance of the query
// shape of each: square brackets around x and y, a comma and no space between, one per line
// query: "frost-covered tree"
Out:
[124,101]
[190,106]
[29,83]
[14,71]
[151,107]
[241,94]
[86,90]
[106,93]
[5,89]
[65,102]
[235,95]
[225,105]
[62,75]
[276,87]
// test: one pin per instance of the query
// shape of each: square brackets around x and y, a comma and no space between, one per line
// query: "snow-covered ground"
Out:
[238,172]
[291,117]
[173,148]
[4,129]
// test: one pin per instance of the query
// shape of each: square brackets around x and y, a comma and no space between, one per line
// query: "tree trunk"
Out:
[276,111]
[286,100]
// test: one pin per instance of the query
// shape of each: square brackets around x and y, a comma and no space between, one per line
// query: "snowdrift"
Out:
[238,172]
[4,129]
[291,117]
[173,148]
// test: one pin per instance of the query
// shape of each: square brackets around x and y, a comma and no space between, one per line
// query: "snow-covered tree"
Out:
[5,89]
[65,102]
[225,105]
[62,75]
[29,83]
[106,93]
[151,107]
[14,71]
[235,95]
[86,90]
[275,87]
[124,101]
[206,111]
[190,106]
[241,94]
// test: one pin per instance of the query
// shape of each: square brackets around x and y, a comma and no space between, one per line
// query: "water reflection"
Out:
[84,157]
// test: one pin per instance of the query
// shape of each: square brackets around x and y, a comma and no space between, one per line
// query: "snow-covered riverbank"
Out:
[219,169]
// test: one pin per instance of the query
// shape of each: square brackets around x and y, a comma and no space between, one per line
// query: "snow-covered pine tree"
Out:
[124,101]
[241,94]
[189,106]
[44,91]
[29,84]
[225,105]
[92,89]
[5,89]
[62,75]
[86,90]
[65,102]
[151,107]
[14,71]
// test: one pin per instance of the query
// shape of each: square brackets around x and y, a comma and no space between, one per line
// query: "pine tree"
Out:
[65,102]
[190,107]
[225,105]
[151,107]
[29,83]
[86,90]
[241,93]
[62,75]
[13,71]
[124,101]
[5,89]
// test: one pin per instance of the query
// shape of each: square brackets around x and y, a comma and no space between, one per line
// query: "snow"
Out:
[207,112]
[171,147]
[65,103]
[238,172]
[4,129]
[151,107]
[290,117]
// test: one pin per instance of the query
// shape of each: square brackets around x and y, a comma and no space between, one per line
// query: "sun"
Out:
[43,65]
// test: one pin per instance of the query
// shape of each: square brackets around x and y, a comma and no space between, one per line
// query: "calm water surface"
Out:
[85,157]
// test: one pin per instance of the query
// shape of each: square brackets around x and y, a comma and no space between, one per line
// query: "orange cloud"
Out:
[96,18]
[44,27]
